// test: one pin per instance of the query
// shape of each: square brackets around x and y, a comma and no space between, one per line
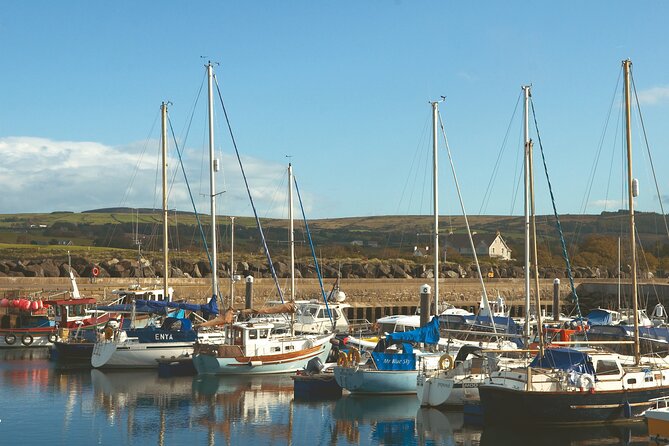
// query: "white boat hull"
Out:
[207,364]
[137,355]
[434,391]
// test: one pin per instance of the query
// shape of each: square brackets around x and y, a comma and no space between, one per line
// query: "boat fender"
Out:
[342,359]
[26,340]
[586,382]
[109,333]
[446,362]
[353,356]
[10,339]
[627,410]
[53,338]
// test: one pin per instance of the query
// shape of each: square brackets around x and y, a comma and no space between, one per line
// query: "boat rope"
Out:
[313,251]
[197,215]
[650,158]
[469,232]
[565,255]
[495,170]
[248,191]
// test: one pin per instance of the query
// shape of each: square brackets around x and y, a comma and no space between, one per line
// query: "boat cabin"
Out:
[253,338]
[127,297]
[72,313]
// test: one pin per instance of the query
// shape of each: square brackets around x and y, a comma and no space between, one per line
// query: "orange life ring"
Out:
[353,356]
[342,359]
[95,271]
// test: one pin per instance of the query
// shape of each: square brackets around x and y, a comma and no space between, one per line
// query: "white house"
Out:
[491,245]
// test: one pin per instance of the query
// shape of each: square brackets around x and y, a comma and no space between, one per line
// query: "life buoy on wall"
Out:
[95,271]
[26,340]
[10,339]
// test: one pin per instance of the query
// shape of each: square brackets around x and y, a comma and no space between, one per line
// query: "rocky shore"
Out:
[346,269]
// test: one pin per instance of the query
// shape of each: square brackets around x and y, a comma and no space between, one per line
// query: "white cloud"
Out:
[610,205]
[42,175]
[654,95]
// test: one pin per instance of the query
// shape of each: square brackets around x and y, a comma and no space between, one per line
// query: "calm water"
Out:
[43,403]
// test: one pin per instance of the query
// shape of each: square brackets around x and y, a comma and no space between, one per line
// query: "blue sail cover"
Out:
[564,359]
[210,308]
[599,317]
[161,307]
[429,334]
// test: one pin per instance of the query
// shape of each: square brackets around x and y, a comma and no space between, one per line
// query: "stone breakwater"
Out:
[346,269]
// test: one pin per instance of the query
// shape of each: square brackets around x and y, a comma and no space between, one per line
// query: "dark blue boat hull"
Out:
[511,406]
[315,387]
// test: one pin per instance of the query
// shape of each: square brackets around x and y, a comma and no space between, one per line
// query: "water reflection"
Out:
[141,408]
[628,434]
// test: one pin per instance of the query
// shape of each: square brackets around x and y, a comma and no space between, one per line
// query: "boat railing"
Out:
[359,326]
[660,403]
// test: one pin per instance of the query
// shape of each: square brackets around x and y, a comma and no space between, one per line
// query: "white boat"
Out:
[260,348]
[171,338]
[461,377]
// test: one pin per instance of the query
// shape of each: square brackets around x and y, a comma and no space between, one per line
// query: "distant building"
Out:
[491,245]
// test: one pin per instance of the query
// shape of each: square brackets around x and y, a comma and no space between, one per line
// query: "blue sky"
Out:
[342,87]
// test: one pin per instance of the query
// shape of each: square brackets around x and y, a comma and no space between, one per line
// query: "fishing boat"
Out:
[25,323]
[580,385]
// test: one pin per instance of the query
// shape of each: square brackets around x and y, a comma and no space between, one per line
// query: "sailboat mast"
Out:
[435,195]
[166,268]
[292,232]
[526,127]
[537,296]
[627,64]
[212,183]
[232,261]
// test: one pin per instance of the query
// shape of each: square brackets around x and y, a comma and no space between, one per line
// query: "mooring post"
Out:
[556,300]
[425,304]
[249,292]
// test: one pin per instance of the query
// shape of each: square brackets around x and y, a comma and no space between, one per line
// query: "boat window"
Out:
[607,368]
[59,310]
[253,334]
[631,381]
[648,379]
[320,314]
[387,328]
[263,334]
[290,347]
[313,311]
[78,310]
[277,349]
[237,336]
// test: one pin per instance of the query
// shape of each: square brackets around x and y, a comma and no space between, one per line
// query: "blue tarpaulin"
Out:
[564,359]
[599,317]
[429,334]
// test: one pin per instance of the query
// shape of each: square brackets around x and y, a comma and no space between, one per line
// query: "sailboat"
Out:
[580,385]
[174,337]
[253,347]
